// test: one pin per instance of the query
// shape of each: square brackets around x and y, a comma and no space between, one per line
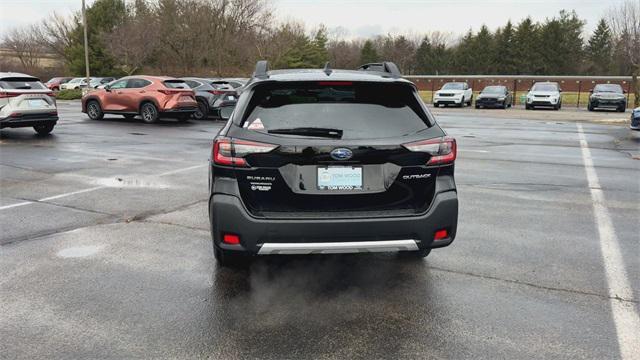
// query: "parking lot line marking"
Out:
[182,170]
[54,197]
[15,205]
[71,193]
[625,316]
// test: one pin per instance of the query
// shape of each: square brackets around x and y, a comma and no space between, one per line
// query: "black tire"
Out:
[556,107]
[622,108]
[129,116]
[461,104]
[559,105]
[94,110]
[149,113]
[44,129]
[203,111]
[418,254]
[477,106]
[230,259]
[528,107]
[436,105]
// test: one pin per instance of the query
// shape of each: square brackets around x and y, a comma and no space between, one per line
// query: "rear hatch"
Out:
[26,96]
[314,149]
[178,94]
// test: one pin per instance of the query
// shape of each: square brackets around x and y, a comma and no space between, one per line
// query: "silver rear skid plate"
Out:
[337,247]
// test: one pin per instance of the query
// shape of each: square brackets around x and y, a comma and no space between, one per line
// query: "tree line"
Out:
[226,37]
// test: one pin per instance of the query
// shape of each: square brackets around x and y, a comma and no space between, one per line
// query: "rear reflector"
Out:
[441,234]
[231,239]
[231,152]
[442,150]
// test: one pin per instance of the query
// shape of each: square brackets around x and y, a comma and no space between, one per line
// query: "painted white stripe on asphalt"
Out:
[625,315]
[15,205]
[470,150]
[182,170]
[54,197]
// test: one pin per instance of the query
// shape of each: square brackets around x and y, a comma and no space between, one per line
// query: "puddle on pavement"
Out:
[129,182]
[79,251]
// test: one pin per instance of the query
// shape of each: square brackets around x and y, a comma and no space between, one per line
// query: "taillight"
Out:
[231,152]
[216,92]
[442,150]
[4,94]
[169,92]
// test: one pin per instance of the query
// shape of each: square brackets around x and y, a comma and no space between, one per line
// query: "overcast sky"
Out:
[369,17]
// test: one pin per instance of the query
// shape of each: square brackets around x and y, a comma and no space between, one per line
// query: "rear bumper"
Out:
[27,120]
[227,215]
[178,111]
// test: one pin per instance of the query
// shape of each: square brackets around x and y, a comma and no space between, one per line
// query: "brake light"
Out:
[169,92]
[231,239]
[216,92]
[441,234]
[5,94]
[442,150]
[231,152]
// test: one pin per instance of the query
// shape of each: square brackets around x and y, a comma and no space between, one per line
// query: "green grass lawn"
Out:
[568,98]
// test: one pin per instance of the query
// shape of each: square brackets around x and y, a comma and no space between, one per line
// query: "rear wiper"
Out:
[309,131]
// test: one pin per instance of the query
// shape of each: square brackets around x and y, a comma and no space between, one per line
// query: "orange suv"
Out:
[150,97]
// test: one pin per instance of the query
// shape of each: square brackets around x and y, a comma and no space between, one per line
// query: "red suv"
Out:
[148,96]
[54,83]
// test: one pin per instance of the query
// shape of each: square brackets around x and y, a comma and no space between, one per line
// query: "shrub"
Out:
[72,94]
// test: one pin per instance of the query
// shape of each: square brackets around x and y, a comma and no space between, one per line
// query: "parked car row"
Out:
[542,94]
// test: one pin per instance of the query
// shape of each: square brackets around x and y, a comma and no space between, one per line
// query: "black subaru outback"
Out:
[331,161]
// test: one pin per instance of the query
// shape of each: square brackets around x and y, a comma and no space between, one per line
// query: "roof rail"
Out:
[384,67]
[262,68]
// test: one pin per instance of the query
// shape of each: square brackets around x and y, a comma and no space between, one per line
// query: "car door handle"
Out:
[142,91]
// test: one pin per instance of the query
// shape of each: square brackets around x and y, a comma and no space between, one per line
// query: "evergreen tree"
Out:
[483,47]
[600,49]
[102,16]
[424,57]
[527,48]
[368,54]
[465,54]
[504,54]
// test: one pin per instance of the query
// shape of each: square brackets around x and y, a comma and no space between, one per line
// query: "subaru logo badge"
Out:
[341,154]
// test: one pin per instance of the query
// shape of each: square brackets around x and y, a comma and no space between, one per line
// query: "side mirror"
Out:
[107,88]
[226,112]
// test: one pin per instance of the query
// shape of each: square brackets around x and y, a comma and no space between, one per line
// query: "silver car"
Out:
[75,83]
[26,102]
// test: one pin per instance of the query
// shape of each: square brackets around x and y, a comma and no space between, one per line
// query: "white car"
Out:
[75,83]
[453,93]
[26,102]
[547,94]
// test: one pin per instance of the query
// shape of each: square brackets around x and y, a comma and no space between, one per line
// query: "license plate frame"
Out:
[339,178]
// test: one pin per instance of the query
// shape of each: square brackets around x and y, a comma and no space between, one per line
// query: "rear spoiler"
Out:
[386,67]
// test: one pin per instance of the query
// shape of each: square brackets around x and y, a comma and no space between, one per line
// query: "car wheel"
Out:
[527,107]
[418,254]
[477,106]
[149,113]
[129,116]
[556,107]
[230,259]
[94,110]
[202,112]
[590,107]
[43,129]
[436,105]
[622,108]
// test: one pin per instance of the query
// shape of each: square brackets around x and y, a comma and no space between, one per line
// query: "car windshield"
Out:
[21,84]
[611,88]
[453,86]
[359,110]
[493,90]
[544,87]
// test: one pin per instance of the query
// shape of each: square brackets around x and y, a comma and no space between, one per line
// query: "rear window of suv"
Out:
[176,84]
[361,110]
[21,84]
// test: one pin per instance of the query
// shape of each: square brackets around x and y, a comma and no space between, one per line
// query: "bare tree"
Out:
[54,34]
[23,42]
[624,21]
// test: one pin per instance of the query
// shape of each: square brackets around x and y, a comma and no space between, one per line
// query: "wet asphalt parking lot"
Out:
[106,252]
